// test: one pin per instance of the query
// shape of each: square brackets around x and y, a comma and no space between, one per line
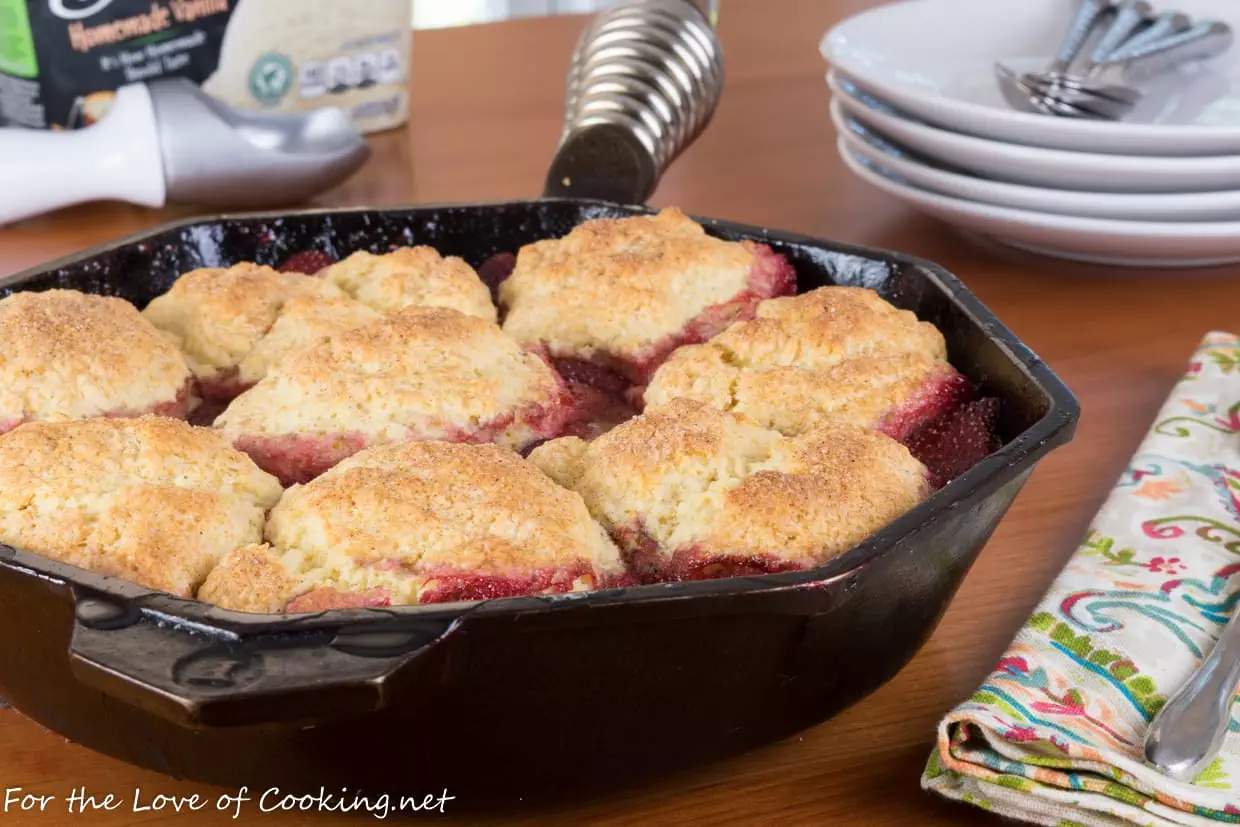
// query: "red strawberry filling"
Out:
[601,396]
[609,388]
[694,564]
[548,420]
[649,563]
[494,270]
[956,441]
[225,386]
[309,262]
[941,394]
[176,408]
[591,374]
[770,276]
[451,585]
[216,393]
[299,458]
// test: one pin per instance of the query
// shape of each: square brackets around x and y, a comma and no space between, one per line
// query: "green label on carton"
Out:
[16,43]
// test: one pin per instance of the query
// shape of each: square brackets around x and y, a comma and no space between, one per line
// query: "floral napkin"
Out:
[1054,736]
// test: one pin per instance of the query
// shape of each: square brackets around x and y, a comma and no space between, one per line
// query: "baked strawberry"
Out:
[956,441]
[309,262]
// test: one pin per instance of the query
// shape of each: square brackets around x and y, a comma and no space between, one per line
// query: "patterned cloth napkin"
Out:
[1054,736]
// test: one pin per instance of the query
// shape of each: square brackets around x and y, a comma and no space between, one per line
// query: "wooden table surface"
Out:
[485,117]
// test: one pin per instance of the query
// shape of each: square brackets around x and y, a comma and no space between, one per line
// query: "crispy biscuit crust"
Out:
[839,353]
[412,276]
[152,500]
[399,524]
[421,373]
[712,485]
[68,355]
[622,292]
[220,317]
[303,321]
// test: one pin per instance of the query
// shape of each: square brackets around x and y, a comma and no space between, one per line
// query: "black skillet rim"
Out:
[1018,455]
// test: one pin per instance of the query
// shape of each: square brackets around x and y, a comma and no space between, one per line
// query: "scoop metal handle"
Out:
[1186,734]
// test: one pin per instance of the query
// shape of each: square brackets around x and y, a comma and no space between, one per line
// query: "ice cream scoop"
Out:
[168,141]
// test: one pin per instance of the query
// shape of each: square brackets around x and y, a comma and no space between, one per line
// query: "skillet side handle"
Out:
[199,681]
[645,79]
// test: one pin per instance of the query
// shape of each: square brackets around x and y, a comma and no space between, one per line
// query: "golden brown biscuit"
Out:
[622,293]
[219,317]
[303,321]
[422,373]
[152,500]
[67,355]
[690,492]
[418,522]
[412,276]
[835,353]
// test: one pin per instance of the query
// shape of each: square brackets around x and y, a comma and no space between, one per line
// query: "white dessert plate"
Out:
[1031,165]
[1095,240]
[1197,206]
[935,59]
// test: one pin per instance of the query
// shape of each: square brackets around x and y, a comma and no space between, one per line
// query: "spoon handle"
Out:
[1083,23]
[1186,734]
[1128,17]
[1167,23]
[1204,40]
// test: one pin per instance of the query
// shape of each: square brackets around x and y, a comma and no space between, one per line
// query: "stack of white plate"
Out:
[920,115]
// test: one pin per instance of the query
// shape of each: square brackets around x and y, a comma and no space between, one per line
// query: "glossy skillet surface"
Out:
[522,697]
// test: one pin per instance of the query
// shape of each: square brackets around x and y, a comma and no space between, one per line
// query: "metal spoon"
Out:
[1021,94]
[1129,16]
[1088,14]
[1201,41]
[1083,99]
[1167,23]
[1049,100]
[1186,734]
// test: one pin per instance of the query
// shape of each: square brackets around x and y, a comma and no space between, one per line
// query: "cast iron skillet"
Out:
[518,697]
[522,698]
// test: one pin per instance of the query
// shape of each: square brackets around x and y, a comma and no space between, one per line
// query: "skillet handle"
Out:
[202,681]
[644,82]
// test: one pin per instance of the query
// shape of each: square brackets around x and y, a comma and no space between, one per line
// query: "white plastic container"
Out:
[292,55]
[61,60]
